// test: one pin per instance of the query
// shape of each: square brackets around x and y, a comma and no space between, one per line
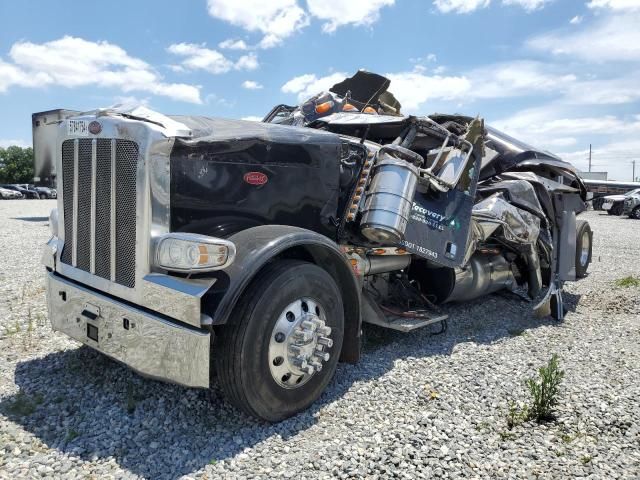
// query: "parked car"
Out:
[632,205]
[26,193]
[8,194]
[249,253]
[614,204]
[46,192]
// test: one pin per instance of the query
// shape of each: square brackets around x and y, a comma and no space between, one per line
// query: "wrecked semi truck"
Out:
[195,248]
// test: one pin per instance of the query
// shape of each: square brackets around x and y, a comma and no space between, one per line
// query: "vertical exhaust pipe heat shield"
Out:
[390,196]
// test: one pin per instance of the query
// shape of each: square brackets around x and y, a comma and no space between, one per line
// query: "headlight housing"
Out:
[53,222]
[191,253]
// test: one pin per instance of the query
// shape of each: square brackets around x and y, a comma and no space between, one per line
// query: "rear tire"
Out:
[253,377]
[584,247]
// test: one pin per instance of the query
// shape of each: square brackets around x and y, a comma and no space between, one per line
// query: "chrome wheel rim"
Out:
[586,246]
[300,343]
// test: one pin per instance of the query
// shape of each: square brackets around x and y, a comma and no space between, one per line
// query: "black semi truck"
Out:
[192,248]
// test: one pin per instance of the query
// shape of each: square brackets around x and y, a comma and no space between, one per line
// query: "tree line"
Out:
[16,165]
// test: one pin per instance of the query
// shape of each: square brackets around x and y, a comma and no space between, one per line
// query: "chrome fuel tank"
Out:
[390,195]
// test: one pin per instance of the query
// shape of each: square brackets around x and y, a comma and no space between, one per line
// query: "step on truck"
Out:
[198,249]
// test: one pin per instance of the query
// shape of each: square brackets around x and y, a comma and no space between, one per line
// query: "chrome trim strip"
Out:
[112,223]
[74,252]
[92,238]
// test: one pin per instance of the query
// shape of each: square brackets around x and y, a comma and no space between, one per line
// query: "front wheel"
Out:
[281,347]
[635,213]
[584,247]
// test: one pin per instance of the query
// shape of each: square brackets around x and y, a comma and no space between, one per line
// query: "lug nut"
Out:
[308,325]
[324,331]
[295,349]
[300,362]
[324,356]
[309,369]
[327,342]
[303,335]
[316,365]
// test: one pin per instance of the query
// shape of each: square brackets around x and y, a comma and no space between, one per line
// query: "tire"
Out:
[635,213]
[597,203]
[584,247]
[244,347]
[611,211]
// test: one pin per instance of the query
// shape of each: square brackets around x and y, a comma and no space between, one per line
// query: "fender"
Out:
[256,246]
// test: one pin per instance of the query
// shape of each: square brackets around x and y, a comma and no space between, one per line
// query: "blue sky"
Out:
[558,73]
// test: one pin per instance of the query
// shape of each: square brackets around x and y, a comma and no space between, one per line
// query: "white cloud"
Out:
[615,4]
[247,62]
[231,44]
[620,89]
[199,57]
[252,118]
[517,78]
[528,5]
[275,19]
[576,20]
[460,6]
[4,143]
[75,62]
[412,89]
[468,6]
[556,128]
[251,85]
[612,38]
[337,13]
[305,86]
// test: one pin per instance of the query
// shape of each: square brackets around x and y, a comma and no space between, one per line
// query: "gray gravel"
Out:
[417,406]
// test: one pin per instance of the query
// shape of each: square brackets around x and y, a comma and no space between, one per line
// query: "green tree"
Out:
[16,165]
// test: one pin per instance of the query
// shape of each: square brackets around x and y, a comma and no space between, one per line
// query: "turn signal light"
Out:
[190,252]
[324,107]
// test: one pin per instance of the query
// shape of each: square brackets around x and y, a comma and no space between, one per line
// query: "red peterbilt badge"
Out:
[255,178]
[95,127]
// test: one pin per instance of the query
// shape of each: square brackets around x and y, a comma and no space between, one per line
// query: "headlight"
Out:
[190,252]
[53,222]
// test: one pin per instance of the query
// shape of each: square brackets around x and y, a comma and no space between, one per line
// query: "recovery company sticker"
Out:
[255,178]
[77,128]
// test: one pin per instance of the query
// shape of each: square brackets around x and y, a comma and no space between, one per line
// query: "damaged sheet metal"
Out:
[518,225]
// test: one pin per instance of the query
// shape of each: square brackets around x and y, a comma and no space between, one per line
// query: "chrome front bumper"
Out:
[149,344]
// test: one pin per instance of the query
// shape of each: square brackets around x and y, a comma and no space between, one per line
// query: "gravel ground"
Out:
[416,406]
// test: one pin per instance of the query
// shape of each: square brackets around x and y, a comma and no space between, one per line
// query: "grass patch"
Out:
[543,395]
[628,282]
[585,459]
[507,436]
[24,405]
[71,435]
[12,331]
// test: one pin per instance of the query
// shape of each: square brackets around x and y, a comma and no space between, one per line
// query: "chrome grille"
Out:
[126,212]
[99,188]
[103,209]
